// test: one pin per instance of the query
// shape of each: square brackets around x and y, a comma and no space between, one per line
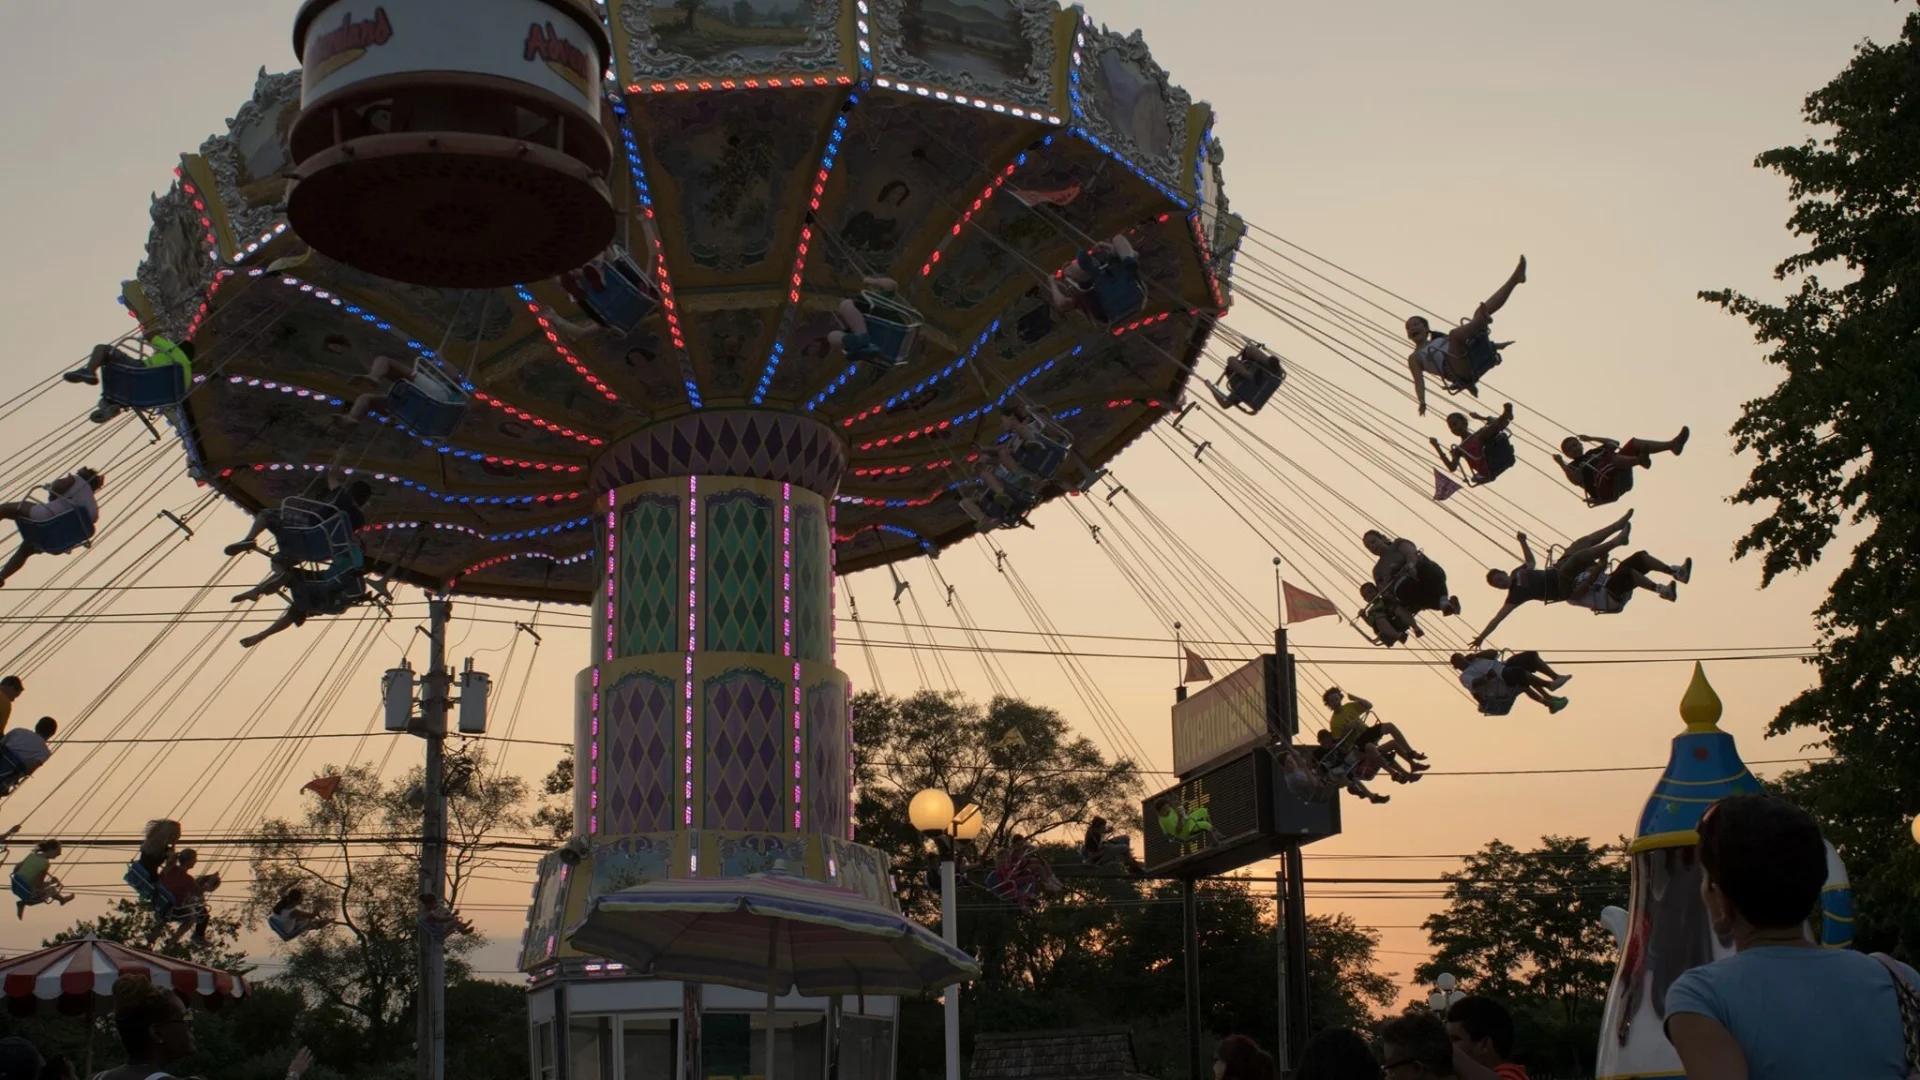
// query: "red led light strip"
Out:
[553,338]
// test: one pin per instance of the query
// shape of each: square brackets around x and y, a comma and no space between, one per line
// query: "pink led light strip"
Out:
[693,642]
[833,646]
[786,633]
[593,760]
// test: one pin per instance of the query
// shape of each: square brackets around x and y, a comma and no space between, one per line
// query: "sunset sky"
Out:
[1422,145]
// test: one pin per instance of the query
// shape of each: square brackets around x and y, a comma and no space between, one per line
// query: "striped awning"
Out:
[776,933]
[70,976]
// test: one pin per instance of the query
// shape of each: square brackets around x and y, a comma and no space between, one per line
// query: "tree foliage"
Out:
[1837,444]
[1107,950]
[1019,762]
[1524,927]
[358,978]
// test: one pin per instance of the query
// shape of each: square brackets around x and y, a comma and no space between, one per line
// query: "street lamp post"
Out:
[932,812]
[1445,993]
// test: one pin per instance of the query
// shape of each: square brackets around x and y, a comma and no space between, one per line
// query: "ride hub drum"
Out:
[452,143]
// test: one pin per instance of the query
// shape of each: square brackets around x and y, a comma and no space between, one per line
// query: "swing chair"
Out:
[1483,355]
[1500,456]
[59,534]
[615,292]
[428,402]
[893,327]
[1250,388]
[130,382]
[146,885]
[1116,291]
[12,772]
[312,531]
[1041,455]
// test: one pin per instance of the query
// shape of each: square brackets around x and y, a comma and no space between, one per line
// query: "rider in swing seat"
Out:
[289,920]
[1253,376]
[1459,357]
[856,337]
[23,751]
[68,495]
[1560,580]
[33,882]
[1487,450]
[1604,471]
[1495,682]
[1102,847]
[1407,577]
[1355,761]
[1348,720]
[439,395]
[1104,283]
[1390,622]
[334,488]
[162,352]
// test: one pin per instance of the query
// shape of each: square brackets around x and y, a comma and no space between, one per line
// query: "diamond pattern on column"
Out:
[826,718]
[650,539]
[812,591]
[637,762]
[739,582]
[759,444]
[742,766]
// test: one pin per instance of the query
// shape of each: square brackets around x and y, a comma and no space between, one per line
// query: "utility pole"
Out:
[431,1002]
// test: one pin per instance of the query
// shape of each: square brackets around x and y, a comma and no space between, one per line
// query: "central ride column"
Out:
[712,728]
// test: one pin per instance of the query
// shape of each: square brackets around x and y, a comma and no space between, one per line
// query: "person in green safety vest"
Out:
[1183,823]
[162,351]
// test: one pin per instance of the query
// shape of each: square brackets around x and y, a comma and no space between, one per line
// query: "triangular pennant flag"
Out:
[1197,668]
[1443,486]
[324,786]
[1303,605]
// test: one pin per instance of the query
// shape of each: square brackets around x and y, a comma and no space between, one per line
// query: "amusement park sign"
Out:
[349,43]
[1240,710]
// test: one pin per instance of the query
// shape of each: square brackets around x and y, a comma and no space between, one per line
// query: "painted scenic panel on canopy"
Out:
[1129,96]
[750,30]
[980,38]
[737,165]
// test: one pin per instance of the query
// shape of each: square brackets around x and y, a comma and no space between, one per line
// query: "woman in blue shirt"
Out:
[1781,1008]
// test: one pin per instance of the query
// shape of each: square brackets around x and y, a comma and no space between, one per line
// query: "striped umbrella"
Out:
[770,933]
[78,976]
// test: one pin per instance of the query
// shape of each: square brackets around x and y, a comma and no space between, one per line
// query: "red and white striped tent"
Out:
[78,977]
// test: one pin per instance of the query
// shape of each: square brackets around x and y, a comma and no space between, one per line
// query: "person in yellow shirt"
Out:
[1348,723]
[162,351]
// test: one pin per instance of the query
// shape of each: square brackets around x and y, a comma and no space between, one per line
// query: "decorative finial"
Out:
[1700,706]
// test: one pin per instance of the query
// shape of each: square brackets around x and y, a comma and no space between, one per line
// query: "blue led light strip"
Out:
[827,161]
[644,192]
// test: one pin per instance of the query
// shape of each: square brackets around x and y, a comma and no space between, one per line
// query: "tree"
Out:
[1526,924]
[1019,762]
[132,923]
[555,818]
[1836,442]
[1524,927]
[1109,949]
[357,977]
